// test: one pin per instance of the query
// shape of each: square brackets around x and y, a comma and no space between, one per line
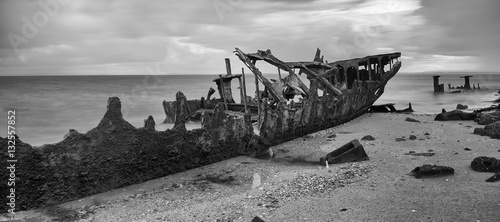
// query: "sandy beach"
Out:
[294,187]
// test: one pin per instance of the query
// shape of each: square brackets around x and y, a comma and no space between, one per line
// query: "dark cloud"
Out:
[126,36]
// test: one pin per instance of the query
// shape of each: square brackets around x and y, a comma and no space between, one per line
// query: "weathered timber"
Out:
[349,152]
[281,123]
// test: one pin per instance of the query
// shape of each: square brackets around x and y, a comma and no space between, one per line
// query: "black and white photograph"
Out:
[239,110]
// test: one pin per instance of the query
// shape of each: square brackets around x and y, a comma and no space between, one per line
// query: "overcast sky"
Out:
[50,37]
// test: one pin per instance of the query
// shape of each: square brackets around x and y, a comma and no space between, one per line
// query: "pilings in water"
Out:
[467,82]
[437,87]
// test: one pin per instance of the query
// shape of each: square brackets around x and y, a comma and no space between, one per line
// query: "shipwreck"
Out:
[115,153]
[338,92]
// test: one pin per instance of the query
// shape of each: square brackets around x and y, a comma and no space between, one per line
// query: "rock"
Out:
[113,118]
[256,182]
[487,118]
[368,138]
[455,115]
[177,185]
[494,178]
[413,153]
[408,119]
[268,154]
[467,149]
[149,123]
[485,164]
[427,134]
[492,130]
[460,106]
[431,171]
[72,133]
[400,140]
[257,219]
[333,136]
[413,137]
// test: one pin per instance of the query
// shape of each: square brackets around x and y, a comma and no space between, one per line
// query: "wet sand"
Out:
[296,188]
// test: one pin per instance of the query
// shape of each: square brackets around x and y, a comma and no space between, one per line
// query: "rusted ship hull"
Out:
[338,92]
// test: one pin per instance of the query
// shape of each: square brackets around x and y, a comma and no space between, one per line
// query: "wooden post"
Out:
[279,73]
[228,66]
[223,92]
[244,90]
[258,98]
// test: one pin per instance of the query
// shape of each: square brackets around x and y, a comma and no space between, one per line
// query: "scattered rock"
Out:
[413,153]
[400,140]
[467,149]
[368,137]
[460,106]
[333,136]
[177,185]
[455,115]
[487,118]
[412,120]
[485,164]
[492,130]
[343,209]
[257,219]
[494,178]
[431,171]
[427,134]
[413,137]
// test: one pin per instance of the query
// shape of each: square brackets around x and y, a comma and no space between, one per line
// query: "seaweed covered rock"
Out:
[487,118]
[492,130]
[455,115]
[149,123]
[485,164]
[427,170]
[461,106]
[116,154]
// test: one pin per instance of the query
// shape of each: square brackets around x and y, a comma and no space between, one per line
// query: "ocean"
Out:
[48,106]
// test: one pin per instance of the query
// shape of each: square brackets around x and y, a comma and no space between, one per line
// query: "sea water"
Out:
[48,106]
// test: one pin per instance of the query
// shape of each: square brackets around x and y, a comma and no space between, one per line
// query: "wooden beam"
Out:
[335,92]
[244,58]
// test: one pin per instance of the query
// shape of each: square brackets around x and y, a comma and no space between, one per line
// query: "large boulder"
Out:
[461,106]
[487,118]
[492,130]
[455,115]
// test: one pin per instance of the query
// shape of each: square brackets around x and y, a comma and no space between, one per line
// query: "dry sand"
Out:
[296,188]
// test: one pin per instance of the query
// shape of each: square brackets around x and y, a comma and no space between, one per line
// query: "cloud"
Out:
[124,37]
